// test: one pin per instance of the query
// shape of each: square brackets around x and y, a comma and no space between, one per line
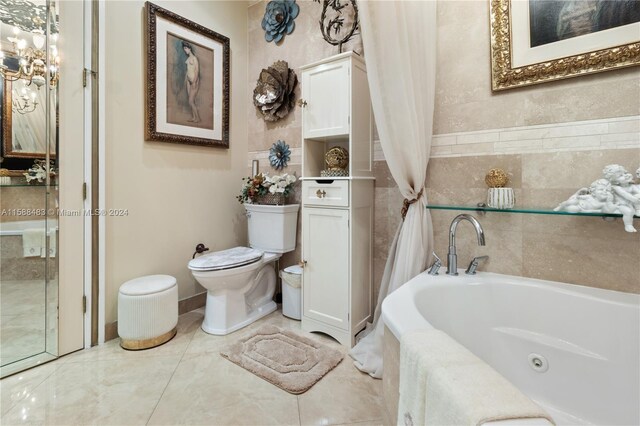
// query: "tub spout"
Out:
[452,257]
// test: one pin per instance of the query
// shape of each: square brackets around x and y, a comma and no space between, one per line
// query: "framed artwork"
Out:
[536,41]
[187,81]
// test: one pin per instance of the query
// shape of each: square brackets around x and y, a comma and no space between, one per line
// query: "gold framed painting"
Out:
[187,81]
[537,41]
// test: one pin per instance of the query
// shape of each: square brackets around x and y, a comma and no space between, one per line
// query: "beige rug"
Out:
[292,362]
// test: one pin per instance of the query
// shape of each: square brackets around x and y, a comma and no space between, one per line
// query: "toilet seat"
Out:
[226,259]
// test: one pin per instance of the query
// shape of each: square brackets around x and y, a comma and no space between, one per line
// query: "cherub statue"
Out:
[635,190]
[598,198]
[621,184]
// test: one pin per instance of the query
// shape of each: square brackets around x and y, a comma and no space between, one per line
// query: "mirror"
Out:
[23,120]
[28,81]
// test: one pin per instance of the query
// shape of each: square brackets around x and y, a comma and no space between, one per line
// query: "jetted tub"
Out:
[574,350]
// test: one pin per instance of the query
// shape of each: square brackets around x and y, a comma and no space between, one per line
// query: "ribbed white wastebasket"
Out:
[147,311]
[292,292]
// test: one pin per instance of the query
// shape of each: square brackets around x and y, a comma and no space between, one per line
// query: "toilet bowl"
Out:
[241,281]
[240,284]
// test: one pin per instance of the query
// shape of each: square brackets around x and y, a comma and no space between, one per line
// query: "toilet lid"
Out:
[225,259]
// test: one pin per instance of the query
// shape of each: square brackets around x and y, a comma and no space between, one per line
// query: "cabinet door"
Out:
[326,88]
[325,247]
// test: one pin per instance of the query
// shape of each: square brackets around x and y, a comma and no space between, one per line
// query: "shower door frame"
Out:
[95,158]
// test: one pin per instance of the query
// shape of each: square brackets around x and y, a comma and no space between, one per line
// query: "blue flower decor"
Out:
[279,155]
[279,19]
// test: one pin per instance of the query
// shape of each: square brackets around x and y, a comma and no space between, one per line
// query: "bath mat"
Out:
[292,362]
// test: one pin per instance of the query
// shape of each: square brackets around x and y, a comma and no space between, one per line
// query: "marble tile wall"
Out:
[303,46]
[465,102]
[552,138]
[13,265]
[18,198]
[579,250]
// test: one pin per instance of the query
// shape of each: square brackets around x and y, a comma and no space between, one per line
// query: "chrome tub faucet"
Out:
[473,266]
[433,270]
[452,257]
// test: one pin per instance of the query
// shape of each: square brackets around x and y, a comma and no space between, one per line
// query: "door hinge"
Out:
[84,304]
[84,190]
[86,71]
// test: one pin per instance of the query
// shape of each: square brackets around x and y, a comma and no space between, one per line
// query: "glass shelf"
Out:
[27,185]
[531,210]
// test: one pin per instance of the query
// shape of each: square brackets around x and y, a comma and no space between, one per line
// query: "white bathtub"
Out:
[16,228]
[588,337]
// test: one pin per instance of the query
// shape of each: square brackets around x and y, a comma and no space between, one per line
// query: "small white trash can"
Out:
[147,311]
[292,292]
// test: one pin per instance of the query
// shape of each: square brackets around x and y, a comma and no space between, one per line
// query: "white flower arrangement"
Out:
[39,171]
[279,184]
[263,184]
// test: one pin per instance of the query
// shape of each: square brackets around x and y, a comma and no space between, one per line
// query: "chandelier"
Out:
[24,102]
[32,59]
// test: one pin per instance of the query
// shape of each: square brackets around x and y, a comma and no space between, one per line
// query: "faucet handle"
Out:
[471,270]
[433,270]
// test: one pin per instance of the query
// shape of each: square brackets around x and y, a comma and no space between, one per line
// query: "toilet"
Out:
[241,281]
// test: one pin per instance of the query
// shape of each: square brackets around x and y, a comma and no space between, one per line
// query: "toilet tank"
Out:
[272,228]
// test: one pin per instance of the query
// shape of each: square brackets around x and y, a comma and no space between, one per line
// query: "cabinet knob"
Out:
[302,263]
[302,103]
[320,193]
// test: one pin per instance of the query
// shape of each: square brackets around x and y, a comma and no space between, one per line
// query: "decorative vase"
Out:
[271,199]
[501,198]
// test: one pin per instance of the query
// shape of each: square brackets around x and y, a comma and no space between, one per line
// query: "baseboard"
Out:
[110,331]
[192,303]
[185,305]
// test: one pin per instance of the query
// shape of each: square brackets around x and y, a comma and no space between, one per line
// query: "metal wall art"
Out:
[279,155]
[274,95]
[279,19]
[338,21]
[539,41]
[187,81]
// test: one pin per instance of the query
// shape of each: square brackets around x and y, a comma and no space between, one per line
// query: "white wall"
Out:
[176,195]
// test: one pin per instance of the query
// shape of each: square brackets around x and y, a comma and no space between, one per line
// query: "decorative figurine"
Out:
[279,155]
[337,161]
[496,178]
[615,194]
[274,95]
[499,197]
[623,187]
[279,19]
[636,191]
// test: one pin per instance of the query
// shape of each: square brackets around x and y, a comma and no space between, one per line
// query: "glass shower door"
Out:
[28,185]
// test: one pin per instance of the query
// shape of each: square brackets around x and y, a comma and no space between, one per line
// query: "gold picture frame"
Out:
[506,75]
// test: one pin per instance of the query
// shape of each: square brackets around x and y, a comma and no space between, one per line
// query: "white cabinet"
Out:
[325,91]
[336,111]
[325,243]
[337,213]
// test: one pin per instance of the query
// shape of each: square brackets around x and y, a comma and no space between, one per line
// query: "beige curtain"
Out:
[399,40]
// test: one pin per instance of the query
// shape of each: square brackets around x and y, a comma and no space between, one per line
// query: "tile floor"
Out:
[27,318]
[184,381]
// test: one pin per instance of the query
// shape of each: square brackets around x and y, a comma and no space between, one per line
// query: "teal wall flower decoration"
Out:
[279,19]
[279,155]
